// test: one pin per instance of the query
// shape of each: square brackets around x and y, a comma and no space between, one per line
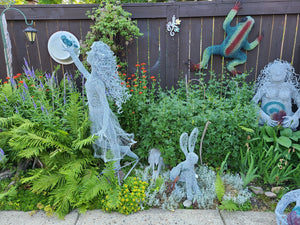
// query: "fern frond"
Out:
[219,187]
[92,185]
[47,182]
[79,144]
[74,112]
[228,205]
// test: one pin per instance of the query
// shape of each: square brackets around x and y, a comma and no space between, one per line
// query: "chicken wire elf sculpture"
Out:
[104,81]
[184,171]
[277,85]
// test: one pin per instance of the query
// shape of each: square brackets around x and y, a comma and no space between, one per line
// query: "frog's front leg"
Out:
[249,46]
[239,58]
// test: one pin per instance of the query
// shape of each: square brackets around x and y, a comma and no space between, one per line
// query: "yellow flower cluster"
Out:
[132,195]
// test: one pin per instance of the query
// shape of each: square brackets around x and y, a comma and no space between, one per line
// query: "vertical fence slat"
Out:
[218,39]
[155,50]
[288,44]
[184,40]
[277,33]
[251,62]
[265,43]
[195,48]
[172,51]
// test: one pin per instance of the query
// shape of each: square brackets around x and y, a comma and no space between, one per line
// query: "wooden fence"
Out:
[166,56]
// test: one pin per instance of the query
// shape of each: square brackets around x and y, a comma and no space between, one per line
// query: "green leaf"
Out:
[270,131]
[287,132]
[296,135]
[296,146]
[284,141]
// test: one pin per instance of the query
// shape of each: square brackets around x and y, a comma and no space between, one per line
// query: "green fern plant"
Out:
[219,187]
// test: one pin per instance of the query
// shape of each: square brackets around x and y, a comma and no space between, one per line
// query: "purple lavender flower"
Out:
[17,111]
[6,98]
[42,108]
[22,97]
[1,154]
[25,85]
[41,84]
[48,76]
[68,77]
[25,62]
[3,109]
[34,105]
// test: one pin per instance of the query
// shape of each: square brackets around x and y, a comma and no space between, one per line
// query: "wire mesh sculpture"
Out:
[155,160]
[184,171]
[293,218]
[104,82]
[277,85]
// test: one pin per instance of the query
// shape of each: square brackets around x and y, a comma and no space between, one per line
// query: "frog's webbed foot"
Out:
[235,72]
[237,5]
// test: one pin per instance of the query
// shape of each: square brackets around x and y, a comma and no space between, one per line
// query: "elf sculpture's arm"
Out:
[235,40]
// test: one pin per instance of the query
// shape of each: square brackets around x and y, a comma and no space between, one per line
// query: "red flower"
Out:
[124,74]
[18,74]
[143,68]
[32,96]
[15,77]
[133,112]
[134,79]
[144,71]
[128,86]
[144,76]
[140,92]
[32,85]
[40,76]
[21,82]
[122,83]
[132,75]
[143,64]
[7,78]
[135,85]
[47,89]
[145,87]
[5,82]
[131,90]
[137,65]
[119,66]
[129,78]
[153,77]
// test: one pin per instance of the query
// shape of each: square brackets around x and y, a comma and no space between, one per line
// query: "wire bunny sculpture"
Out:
[184,171]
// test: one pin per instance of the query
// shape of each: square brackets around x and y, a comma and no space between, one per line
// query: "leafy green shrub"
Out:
[275,151]
[225,104]
[113,26]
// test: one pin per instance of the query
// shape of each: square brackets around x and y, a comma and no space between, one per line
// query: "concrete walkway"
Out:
[147,217]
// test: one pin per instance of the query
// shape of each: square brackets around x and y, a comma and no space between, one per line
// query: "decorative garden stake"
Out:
[103,81]
[172,25]
[293,218]
[231,47]
[29,31]
[277,85]
[184,171]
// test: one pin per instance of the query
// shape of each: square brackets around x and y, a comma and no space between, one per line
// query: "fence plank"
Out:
[154,61]
[201,27]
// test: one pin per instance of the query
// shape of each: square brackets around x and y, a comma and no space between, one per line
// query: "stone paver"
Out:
[147,217]
[248,218]
[152,217]
[39,218]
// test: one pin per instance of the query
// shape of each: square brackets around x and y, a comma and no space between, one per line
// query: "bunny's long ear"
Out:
[184,142]
[193,139]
